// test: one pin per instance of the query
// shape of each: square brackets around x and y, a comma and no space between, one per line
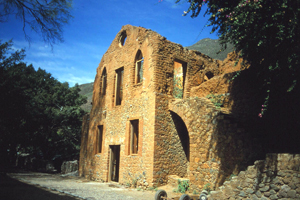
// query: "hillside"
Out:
[207,46]
[211,48]
[87,90]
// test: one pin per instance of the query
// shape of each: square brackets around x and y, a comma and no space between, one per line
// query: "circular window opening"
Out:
[123,38]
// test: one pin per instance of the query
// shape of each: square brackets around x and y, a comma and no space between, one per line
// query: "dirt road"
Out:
[37,186]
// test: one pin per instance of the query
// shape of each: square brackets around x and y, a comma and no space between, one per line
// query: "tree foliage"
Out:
[45,17]
[266,33]
[38,113]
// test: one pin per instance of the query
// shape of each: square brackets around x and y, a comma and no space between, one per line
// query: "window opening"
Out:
[123,38]
[119,86]
[179,79]
[139,67]
[99,139]
[103,82]
[134,129]
[208,75]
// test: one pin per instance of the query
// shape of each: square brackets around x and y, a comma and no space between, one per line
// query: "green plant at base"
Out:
[152,188]
[128,184]
[195,192]
[183,186]
[207,188]
[134,182]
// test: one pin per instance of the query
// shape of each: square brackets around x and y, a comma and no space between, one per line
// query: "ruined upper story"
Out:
[141,62]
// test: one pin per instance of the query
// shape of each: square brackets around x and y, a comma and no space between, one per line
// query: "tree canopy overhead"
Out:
[266,33]
[45,17]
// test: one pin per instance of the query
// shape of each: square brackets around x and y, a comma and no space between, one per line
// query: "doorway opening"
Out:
[114,164]
[182,133]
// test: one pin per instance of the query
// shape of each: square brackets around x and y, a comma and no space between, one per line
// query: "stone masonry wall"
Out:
[207,146]
[218,147]
[170,157]
[277,177]
[138,103]
[83,145]
[211,133]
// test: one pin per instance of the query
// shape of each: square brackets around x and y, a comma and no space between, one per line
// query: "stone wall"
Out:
[184,135]
[277,177]
[69,166]
[218,146]
[161,152]
[83,145]
[138,103]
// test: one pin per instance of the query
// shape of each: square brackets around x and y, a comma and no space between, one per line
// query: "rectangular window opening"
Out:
[99,139]
[134,134]
[180,68]
[103,84]
[139,71]
[119,86]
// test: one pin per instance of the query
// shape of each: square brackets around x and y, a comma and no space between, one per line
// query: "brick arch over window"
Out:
[103,82]
[182,133]
[138,67]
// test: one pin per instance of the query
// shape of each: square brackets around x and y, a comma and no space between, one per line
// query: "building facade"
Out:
[150,119]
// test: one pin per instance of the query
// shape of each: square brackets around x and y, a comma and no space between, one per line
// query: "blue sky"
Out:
[94,26]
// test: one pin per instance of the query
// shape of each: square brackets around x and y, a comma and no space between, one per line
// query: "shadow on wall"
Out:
[183,134]
[242,136]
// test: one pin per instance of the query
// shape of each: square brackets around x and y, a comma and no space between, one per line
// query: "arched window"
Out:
[103,82]
[139,63]
[122,38]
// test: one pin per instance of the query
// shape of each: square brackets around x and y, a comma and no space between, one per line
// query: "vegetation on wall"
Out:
[39,115]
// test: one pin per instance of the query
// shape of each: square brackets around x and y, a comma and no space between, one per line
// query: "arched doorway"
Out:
[182,133]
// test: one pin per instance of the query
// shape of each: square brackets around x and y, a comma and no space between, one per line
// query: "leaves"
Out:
[265,31]
[38,113]
[45,17]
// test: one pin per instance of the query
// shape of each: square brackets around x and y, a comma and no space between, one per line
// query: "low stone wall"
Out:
[277,177]
[69,166]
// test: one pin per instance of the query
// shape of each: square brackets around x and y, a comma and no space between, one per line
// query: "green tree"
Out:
[45,17]
[266,33]
[38,113]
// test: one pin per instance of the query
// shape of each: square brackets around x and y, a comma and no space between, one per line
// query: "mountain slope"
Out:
[87,90]
[211,48]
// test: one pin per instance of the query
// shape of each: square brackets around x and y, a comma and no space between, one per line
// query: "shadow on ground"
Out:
[11,189]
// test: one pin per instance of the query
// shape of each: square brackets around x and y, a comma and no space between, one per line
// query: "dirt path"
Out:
[12,189]
[65,188]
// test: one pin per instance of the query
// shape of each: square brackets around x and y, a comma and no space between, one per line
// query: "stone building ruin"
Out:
[150,119]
